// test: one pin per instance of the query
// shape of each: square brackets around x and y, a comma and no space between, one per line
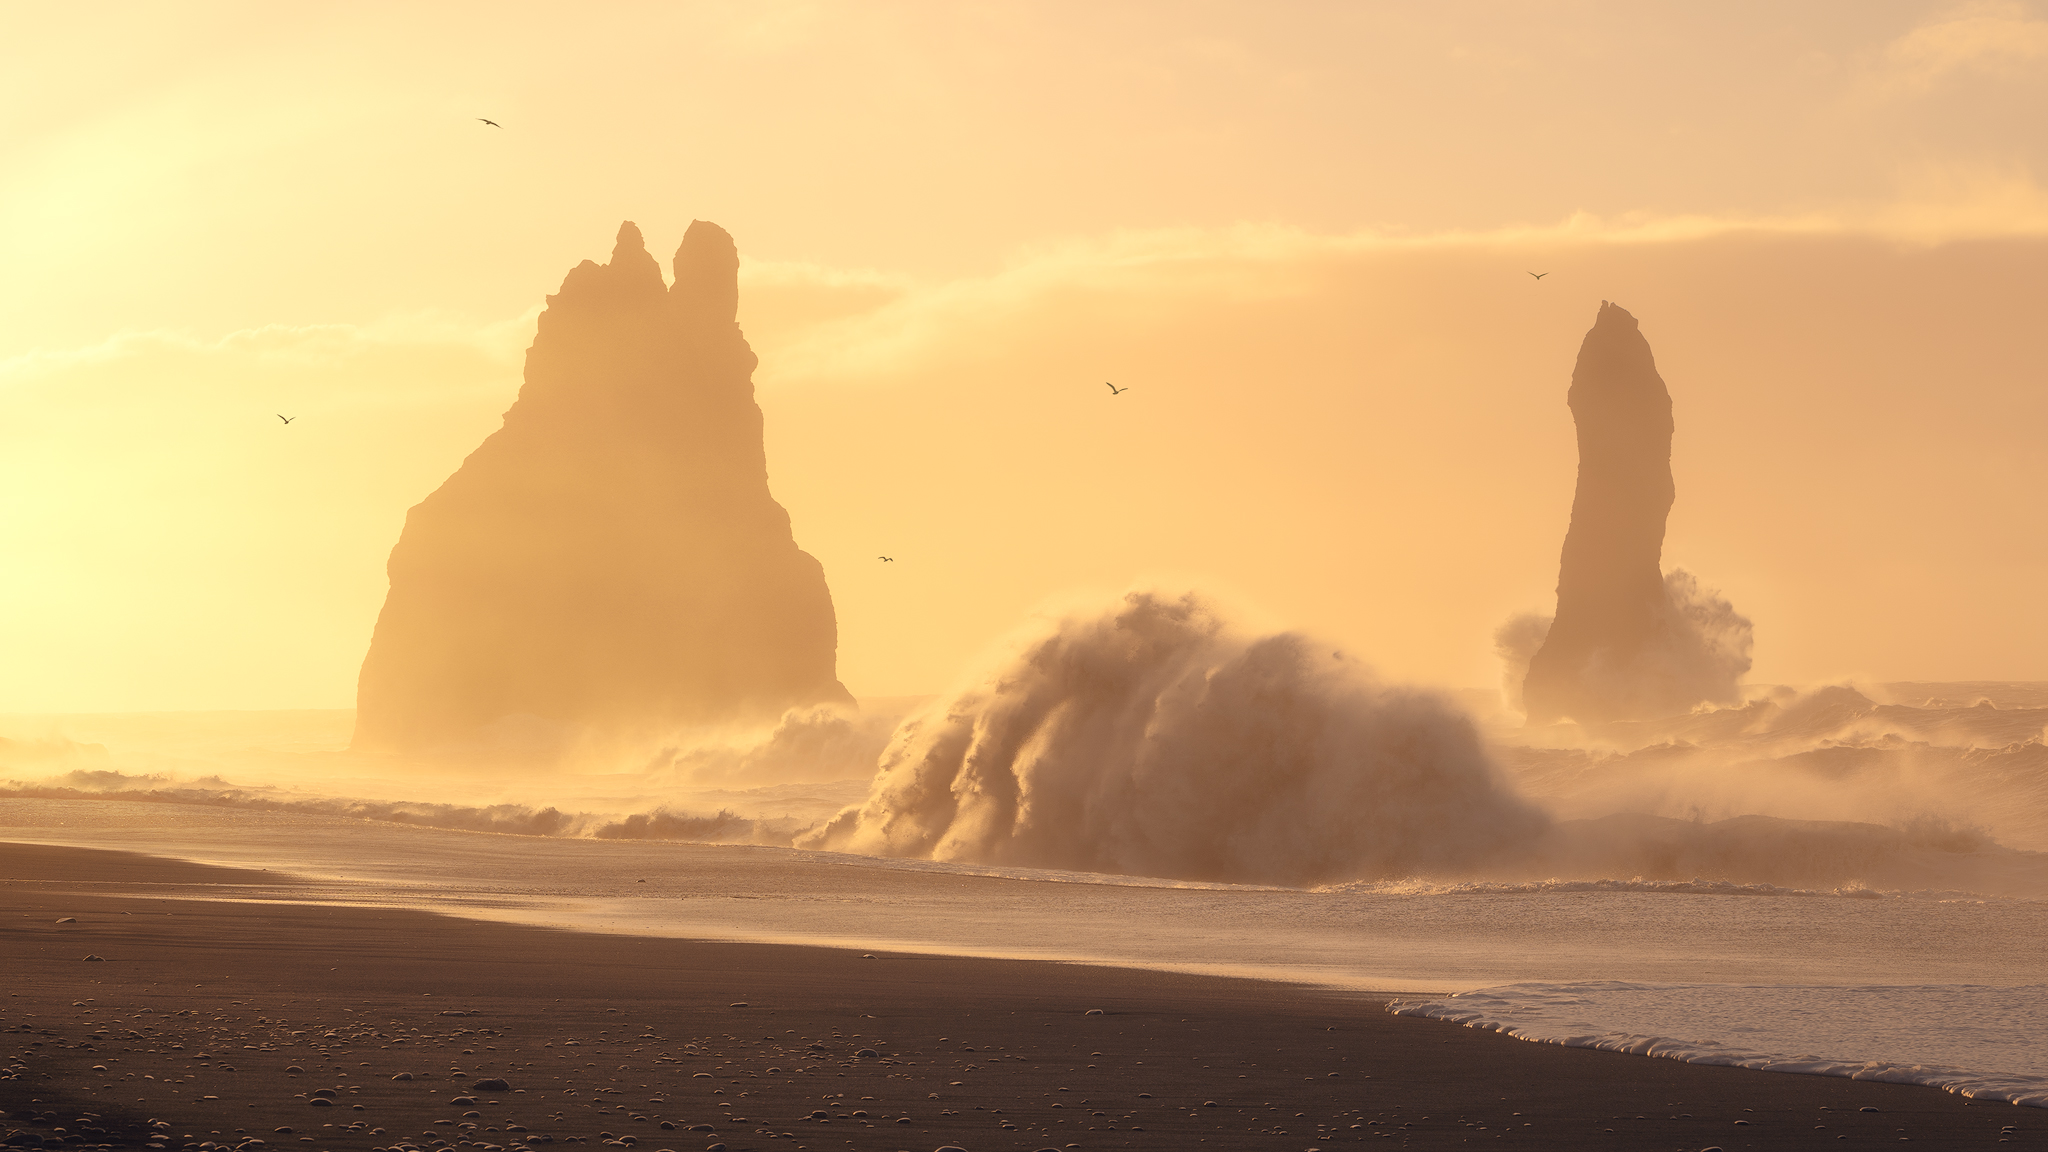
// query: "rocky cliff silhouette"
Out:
[610,561]
[1628,641]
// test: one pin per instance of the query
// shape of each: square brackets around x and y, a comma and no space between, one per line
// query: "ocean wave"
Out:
[661,823]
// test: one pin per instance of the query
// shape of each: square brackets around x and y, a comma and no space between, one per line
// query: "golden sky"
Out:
[1299,233]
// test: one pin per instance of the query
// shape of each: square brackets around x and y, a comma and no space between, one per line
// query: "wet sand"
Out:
[213,1019]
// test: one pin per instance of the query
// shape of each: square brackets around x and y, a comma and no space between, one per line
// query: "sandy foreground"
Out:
[211,1022]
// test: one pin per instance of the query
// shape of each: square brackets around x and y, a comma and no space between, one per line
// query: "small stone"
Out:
[293,1069]
[737,1004]
[1093,1012]
[90,956]
[903,1119]
[1866,1108]
[700,1128]
[1208,1103]
[403,1076]
[867,1053]
[68,920]
[463,1100]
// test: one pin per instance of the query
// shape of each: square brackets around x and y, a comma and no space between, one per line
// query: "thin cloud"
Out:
[1997,38]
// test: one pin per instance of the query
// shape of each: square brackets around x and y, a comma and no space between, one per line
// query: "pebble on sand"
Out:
[1092,1012]
[293,1069]
[90,956]
[403,1076]
[68,920]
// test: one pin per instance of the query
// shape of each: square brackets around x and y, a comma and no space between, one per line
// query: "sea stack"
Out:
[609,563]
[1628,642]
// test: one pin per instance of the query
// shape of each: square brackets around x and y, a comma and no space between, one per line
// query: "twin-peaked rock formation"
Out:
[608,563]
[1629,641]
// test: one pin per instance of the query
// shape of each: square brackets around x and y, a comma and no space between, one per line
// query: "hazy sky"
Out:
[1300,232]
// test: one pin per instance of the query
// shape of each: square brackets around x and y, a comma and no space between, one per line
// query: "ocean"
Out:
[1872,898]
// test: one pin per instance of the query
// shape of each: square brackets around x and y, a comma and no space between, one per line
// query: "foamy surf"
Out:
[1975,1040]
[1694,887]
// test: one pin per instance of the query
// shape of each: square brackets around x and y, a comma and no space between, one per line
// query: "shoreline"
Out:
[625,1034]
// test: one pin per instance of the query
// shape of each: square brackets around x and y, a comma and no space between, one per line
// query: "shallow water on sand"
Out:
[1980,1041]
[1421,941]
[1845,985]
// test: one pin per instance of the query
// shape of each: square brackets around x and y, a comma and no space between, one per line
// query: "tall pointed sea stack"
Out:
[609,562]
[1628,641]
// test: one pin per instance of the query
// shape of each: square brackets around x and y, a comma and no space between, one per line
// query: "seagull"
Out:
[1539,275]
[890,559]
[286,419]
[492,123]
[1113,389]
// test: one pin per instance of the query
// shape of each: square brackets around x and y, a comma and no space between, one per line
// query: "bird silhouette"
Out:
[286,419]
[1113,389]
[1539,275]
[492,123]
[890,559]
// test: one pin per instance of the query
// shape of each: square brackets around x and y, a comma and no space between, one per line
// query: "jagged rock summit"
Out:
[1628,641]
[610,562]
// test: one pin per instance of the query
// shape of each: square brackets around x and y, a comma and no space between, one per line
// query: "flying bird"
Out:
[286,419]
[1539,275]
[890,559]
[1113,389]
[492,123]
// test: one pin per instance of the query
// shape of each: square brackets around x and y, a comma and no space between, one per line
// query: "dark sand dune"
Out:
[212,1020]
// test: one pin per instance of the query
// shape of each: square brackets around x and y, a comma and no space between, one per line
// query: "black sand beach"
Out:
[212,1021]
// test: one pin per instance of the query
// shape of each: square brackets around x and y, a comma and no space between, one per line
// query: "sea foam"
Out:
[1974,1040]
